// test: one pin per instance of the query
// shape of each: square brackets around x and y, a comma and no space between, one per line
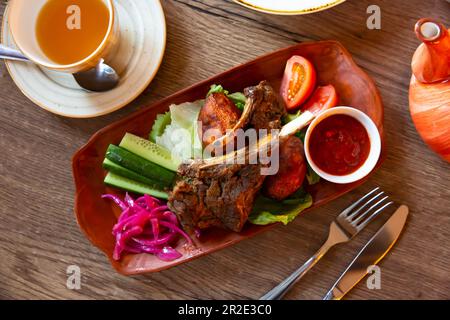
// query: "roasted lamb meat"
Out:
[219,114]
[268,107]
[220,195]
[218,192]
[291,173]
[264,109]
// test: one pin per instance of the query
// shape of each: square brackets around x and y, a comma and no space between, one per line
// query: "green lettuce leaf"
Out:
[181,134]
[267,211]
[217,88]
[160,124]
[291,117]
[238,98]
[312,176]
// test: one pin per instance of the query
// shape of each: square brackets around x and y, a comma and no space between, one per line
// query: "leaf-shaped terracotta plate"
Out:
[96,217]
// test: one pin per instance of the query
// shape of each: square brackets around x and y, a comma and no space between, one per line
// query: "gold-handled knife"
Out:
[375,250]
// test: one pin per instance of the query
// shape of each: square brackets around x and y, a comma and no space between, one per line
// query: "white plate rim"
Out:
[289,12]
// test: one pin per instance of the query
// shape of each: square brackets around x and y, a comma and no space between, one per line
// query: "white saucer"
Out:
[289,7]
[137,59]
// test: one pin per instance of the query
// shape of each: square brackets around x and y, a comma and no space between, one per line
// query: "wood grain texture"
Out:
[39,237]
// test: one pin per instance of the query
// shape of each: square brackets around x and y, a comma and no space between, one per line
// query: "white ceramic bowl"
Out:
[375,145]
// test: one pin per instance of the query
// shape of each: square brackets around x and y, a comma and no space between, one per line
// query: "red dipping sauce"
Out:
[339,145]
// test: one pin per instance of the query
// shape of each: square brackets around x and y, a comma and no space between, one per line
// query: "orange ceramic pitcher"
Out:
[429,94]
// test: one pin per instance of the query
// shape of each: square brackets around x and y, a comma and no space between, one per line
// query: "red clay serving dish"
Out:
[96,216]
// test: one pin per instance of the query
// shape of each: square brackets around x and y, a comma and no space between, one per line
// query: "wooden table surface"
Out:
[39,236]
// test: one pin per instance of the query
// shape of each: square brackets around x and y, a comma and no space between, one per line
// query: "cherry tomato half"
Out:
[298,83]
[322,99]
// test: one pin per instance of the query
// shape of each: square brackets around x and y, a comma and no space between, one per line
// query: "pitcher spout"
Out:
[431,61]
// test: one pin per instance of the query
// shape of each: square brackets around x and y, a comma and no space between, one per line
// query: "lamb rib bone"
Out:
[286,131]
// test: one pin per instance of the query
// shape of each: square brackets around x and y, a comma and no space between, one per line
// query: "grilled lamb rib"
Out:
[220,195]
[213,192]
[264,109]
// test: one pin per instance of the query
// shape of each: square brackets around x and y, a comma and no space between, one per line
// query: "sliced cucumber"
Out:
[150,151]
[139,165]
[161,122]
[120,182]
[124,172]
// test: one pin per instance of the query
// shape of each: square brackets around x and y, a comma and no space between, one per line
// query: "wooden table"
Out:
[39,237]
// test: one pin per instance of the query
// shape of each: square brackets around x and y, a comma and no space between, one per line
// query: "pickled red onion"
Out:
[146,225]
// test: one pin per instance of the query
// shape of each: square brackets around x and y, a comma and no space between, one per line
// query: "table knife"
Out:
[375,250]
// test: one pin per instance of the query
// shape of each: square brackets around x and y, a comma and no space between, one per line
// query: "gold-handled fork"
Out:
[347,225]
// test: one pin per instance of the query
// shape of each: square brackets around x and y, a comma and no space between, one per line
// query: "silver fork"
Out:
[347,225]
